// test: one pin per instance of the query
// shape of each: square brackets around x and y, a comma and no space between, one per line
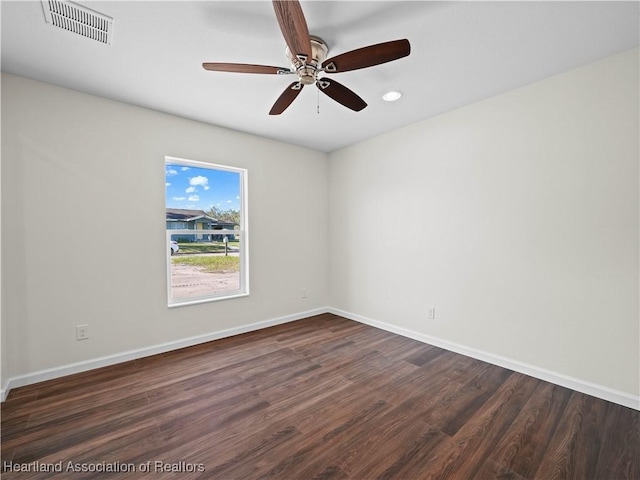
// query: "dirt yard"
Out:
[190,281]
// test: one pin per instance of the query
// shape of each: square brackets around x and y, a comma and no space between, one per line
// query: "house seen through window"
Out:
[206,231]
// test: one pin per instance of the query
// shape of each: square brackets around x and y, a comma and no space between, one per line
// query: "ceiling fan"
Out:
[308,53]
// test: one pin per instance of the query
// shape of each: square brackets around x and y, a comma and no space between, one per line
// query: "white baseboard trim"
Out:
[4,391]
[599,391]
[78,367]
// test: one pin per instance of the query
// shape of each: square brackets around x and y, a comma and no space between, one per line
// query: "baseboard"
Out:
[51,373]
[599,391]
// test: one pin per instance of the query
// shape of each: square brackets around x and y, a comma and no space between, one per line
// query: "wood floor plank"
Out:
[319,398]
[398,439]
[63,428]
[491,470]
[307,392]
[425,355]
[576,444]
[413,460]
[453,415]
[620,439]
[475,441]
[522,449]
[313,452]
[411,391]
[374,369]
[454,409]
[398,346]
[255,461]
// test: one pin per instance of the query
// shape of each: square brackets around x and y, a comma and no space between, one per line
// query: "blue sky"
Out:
[200,188]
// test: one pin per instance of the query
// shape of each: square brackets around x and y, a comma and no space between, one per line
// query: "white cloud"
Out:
[191,190]
[194,198]
[229,201]
[199,181]
[167,184]
[237,197]
[179,199]
[170,172]
[184,169]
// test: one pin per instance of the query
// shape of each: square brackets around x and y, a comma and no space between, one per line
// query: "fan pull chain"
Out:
[318,104]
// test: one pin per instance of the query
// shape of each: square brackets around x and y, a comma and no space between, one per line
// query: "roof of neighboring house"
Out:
[188,215]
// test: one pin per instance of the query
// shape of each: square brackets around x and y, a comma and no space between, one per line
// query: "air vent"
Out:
[78,19]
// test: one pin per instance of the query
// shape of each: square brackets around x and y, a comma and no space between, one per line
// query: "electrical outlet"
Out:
[431,313]
[82,332]
[304,293]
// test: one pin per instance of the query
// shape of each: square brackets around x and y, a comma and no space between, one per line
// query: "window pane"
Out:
[205,231]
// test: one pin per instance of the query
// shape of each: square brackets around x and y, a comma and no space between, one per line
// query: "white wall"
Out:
[3,337]
[516,217]
[83,226]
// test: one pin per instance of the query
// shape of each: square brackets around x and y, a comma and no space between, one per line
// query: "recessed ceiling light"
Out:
[392,96]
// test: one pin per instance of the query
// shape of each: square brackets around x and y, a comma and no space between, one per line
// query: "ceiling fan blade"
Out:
[341,94]
[368,56]
[284,100]
[294,27]
[245,68]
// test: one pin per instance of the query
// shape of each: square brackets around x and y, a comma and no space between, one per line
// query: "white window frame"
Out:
[243,233]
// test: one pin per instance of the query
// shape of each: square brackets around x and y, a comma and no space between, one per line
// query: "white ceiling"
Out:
[462,52]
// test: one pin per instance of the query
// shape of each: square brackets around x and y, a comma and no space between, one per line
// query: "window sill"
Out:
[196,301]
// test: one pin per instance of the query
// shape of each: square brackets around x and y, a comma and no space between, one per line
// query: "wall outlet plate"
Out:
[82,332]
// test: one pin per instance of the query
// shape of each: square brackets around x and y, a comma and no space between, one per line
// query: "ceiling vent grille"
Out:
[79,19]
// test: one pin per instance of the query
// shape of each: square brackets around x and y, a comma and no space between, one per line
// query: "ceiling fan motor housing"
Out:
[307,70]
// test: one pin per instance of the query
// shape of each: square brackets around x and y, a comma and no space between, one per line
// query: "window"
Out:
[206,232]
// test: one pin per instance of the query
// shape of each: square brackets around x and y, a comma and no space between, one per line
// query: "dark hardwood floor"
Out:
[320,398]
